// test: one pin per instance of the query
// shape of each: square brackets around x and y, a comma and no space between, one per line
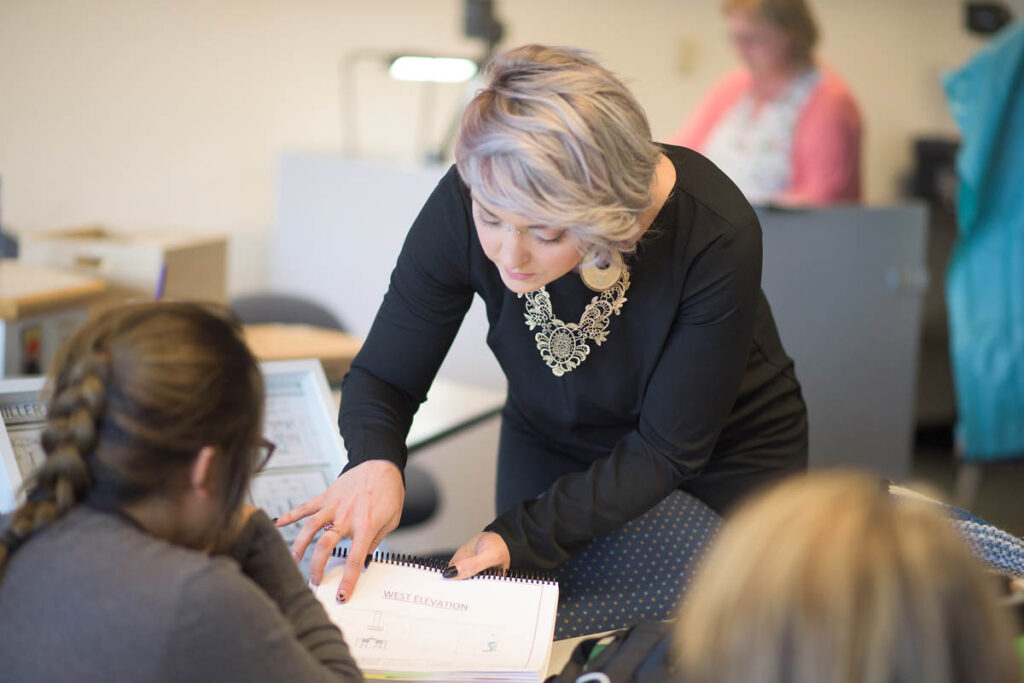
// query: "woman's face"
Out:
[764,47]
[527,256]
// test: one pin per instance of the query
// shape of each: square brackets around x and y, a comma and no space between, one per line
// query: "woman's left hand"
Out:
[483,551]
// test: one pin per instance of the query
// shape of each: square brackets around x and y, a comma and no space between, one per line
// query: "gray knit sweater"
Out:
[95,598]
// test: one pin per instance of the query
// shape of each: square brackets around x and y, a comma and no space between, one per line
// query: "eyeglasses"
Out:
[264,450]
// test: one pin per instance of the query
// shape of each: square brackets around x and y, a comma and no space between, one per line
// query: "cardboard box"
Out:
[334,349]
[39,309]
[132,263]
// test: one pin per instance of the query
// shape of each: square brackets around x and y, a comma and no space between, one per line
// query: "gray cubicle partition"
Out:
[846,286]
[340,225]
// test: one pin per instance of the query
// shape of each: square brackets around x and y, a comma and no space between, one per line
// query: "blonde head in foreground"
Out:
[827,579]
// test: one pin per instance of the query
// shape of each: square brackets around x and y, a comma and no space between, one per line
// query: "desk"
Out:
[450,408]
[333,348]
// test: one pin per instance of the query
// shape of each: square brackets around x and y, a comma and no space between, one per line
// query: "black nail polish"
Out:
[341,598]
[450,572]
[366,562]
[274,520]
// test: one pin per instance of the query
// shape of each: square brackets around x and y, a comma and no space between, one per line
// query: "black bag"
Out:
[639,654]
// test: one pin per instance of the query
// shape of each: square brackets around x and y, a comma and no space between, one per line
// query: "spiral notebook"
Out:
[407,622]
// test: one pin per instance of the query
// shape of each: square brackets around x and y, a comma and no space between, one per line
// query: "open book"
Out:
[407,622]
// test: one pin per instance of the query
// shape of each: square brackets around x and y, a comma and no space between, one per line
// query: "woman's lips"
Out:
[518,276]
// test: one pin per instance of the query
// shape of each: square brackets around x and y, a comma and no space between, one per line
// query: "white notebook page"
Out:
[409,618]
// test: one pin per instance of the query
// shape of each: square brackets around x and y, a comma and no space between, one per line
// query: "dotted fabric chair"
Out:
[638,573]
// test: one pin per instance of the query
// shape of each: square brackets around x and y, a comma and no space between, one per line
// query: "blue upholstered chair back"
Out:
[638,573]
[642,571]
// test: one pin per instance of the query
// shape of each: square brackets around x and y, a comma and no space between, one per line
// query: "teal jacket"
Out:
[985,281]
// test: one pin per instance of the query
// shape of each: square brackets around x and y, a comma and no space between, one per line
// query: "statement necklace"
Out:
[563,346]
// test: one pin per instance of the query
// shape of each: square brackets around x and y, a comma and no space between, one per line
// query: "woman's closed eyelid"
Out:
[487,216]
[549,238]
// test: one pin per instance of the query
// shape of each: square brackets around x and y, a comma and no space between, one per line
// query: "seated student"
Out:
[117,566]
[826,578]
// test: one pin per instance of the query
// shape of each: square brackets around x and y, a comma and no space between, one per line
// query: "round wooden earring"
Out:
[600,274]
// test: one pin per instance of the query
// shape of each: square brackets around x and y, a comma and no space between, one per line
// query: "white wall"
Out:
[146,114]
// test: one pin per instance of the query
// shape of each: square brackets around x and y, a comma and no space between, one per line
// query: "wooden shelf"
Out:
[334,349]
[29,289]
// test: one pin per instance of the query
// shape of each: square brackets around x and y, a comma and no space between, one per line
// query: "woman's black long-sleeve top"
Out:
[692,371]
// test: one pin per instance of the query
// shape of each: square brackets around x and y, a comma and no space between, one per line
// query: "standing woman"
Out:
[785,128]
[115,568]
[622,286]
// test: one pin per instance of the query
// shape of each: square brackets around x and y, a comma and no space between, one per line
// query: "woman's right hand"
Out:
[364,504]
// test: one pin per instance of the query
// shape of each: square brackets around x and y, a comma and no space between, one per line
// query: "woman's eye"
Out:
[488,218]
[549,236]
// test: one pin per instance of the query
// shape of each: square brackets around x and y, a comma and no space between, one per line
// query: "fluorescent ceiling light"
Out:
[436,69]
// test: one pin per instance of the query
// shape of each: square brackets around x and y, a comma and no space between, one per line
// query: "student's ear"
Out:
[201,472]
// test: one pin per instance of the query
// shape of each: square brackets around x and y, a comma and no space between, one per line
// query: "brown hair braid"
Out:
[134,395]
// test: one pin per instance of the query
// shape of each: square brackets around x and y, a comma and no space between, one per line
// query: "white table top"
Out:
[450,407]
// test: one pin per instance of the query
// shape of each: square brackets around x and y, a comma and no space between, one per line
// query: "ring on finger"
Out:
[329,527]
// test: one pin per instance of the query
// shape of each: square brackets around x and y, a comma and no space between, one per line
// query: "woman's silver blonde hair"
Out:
[826,577]
[557,139]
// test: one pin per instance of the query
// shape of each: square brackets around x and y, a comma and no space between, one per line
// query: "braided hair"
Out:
[134,395]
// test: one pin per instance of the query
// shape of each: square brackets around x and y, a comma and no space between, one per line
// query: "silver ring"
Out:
[328,527]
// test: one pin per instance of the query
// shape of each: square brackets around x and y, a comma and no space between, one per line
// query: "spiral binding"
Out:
[437,565]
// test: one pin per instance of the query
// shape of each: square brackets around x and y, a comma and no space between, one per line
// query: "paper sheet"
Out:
[410,619]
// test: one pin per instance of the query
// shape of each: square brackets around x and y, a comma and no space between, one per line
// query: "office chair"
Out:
[8,245]
[421,492]
[261,309]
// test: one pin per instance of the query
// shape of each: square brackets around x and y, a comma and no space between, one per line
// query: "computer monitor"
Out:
[300,418]
[22,417]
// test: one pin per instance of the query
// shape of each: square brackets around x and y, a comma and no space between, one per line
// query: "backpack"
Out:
[639,654]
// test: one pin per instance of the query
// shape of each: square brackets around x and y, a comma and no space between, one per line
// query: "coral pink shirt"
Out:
[825,154]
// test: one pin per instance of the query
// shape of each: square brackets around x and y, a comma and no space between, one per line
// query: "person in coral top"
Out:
[784,128]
